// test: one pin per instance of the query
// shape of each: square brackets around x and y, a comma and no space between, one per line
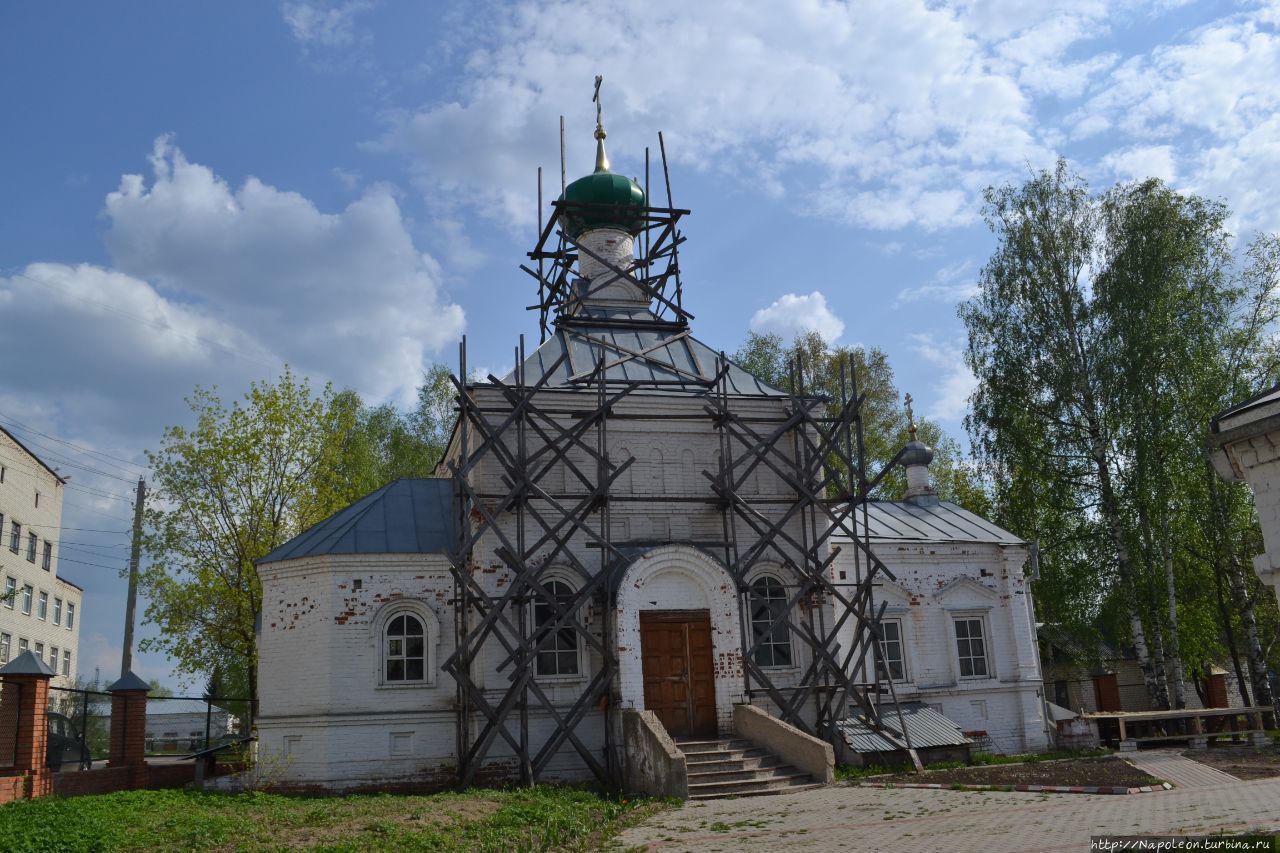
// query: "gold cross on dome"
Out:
[911,418]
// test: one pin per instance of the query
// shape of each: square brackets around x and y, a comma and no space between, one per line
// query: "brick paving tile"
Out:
[1181,771]
[909,820]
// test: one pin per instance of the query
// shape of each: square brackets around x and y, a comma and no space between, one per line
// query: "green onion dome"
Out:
[616,200]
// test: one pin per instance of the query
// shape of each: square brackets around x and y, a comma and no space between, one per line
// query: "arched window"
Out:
[405,649]
[769,627]
[559,654]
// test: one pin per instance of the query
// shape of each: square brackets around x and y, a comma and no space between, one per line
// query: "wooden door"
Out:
[679,673]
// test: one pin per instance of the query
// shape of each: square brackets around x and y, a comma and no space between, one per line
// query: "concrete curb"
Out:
[1039,789]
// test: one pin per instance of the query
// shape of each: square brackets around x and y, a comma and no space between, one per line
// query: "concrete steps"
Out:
[731,767]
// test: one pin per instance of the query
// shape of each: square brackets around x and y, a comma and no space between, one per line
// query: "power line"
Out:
[86,563]
[10,421]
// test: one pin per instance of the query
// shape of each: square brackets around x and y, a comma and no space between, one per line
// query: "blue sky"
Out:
[198,193]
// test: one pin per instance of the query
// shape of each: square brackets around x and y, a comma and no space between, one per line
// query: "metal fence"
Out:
[10,701]
[181,725]
[79,728]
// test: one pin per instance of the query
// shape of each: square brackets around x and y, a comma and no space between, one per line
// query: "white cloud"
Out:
[792,314]
[951,283]
[954,384]
[345,295]
[1142,161]
[815,100]
[323,24]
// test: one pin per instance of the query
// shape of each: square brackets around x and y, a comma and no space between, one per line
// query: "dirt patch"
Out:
[1242,762]
[1099,772]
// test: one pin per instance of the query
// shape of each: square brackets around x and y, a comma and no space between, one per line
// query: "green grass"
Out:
[538,818]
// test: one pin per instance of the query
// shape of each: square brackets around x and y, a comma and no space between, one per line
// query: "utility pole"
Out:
[126,659]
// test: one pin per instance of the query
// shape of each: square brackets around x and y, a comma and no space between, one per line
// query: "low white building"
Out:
[40,610]
[1245,445]
[958,624]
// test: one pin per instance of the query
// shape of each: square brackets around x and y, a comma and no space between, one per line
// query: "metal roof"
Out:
[941,521]
[409,516]
[1270,395]
[636,346]
[926,726]
[27,664]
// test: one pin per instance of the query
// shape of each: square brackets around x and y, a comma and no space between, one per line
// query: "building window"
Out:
[891,650]
[46,562]
[15,536]
[557,654]
[57,611]
[26,599]
[10,591]
[406,649]
[37,500]
[40,650]
[53,658]
[42,609]
[71,615]
[66,662]
[971,648]
[770,628]
[5,639]
[22,645]
[31,547]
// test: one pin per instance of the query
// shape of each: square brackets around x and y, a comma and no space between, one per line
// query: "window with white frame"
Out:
[27,592]
[557,648]
[891,650]
[22,645]
[770,628]
[53,658]
[66,662]
[15,536]
[32,539]
[5,639]
[10,591]
[971,647]
[57,611]
[405,649]
[42,609]
[71,615]
[46,562]
[40,650]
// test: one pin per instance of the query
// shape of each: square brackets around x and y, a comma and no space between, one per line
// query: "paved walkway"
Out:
[1173,767]
[909,820]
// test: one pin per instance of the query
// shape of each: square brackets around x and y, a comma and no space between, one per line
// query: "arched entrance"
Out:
[679,640]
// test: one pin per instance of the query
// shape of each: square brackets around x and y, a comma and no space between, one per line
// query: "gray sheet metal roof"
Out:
[926,726]
[685,364]
[903,521]
[403,517]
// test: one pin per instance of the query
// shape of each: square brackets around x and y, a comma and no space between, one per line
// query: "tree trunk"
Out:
[1219,569]
[1159,665]
[1175,643]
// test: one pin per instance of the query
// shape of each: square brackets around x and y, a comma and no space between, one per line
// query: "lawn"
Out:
[540,818]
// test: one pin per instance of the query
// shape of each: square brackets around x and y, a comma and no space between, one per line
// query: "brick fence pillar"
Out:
[129,727]
[24,723]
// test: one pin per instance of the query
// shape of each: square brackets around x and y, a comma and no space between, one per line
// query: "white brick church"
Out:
[628,522]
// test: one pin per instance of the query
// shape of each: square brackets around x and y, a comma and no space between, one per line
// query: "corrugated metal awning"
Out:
[926,726]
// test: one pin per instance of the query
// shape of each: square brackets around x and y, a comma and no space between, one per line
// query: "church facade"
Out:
[629,521]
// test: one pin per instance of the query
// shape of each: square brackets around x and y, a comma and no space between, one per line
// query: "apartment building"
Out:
[39,610]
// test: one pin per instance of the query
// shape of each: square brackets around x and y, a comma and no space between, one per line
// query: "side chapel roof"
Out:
[406,516]
[904,521]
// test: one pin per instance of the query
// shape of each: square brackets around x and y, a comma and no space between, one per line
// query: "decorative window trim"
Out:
[430,637]
[564,577]
[775,574]
[973,615]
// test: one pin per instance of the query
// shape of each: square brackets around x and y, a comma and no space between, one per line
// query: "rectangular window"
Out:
[971,648]
[53,658]
[57,611]
[71,615]
[10,591]
[37,500]
[15,536]
[66,662]
[1,523]
[26,599]
[31,547]
[46,562]
[22,645]
[1,473]
[4,648]
[895,662]
[39,650]
[42,609]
